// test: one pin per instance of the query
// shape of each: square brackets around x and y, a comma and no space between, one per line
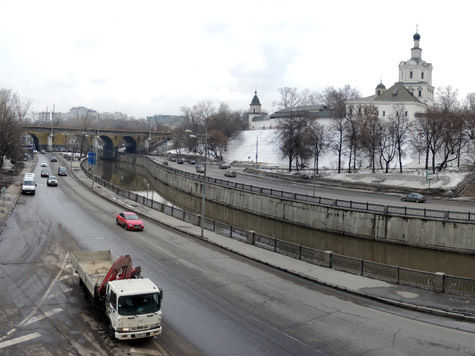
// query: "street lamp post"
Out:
[203,196]
[95,143]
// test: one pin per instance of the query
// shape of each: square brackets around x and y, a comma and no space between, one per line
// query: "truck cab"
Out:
[133,308]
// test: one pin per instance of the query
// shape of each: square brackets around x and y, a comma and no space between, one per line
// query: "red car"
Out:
[129,221]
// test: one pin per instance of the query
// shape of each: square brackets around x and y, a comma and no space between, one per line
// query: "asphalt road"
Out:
[215,303]
[302,187]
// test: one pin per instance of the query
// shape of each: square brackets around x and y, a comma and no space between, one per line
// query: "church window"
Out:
[410,75]
[422,75]
[351,111]
[405,113]
[420,92]
[384,113]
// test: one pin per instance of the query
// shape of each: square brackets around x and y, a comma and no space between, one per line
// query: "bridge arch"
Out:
[36,141]
[108,148]
[130,144]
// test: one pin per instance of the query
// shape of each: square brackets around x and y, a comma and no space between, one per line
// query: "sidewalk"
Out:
[454,306]
[9,200]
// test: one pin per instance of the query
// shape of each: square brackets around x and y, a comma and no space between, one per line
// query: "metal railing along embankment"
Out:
[438,282]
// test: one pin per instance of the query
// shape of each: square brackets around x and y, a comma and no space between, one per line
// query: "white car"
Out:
[44,164]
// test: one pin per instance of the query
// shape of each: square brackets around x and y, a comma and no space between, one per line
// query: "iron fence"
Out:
[438,282]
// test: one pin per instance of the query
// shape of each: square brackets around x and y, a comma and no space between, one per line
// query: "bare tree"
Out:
[401,125]
[289,97]
[387,144]
[352,134]
[319,141]
[12,109]
[217,143]
[371,133]
[293,143]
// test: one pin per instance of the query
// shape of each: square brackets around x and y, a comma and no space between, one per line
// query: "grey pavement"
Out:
[449,305]
[9,199]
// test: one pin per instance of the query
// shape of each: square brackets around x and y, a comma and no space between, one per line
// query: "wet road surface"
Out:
[215,303]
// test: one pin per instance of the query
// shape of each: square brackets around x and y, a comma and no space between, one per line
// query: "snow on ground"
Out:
[242,148]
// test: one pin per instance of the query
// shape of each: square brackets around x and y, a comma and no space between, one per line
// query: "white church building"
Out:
[411,94]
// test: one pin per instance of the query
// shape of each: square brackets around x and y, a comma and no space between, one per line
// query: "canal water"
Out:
[139,181]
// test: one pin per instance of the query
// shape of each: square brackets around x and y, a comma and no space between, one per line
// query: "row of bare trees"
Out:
[12,112]
[357,133]
[204,120]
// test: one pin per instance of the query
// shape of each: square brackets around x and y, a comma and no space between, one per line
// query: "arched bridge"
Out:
[107,140]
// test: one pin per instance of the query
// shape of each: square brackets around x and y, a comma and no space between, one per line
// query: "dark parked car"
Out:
[179,161]
[301,175]
[44,173]
[230,174]
[224,165]
[414,197]
[165,163]
[62,171]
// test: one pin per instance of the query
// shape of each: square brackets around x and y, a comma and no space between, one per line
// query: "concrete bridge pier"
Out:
[50,142]
[96,142]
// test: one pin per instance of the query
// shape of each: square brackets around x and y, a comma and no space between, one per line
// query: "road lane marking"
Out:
[35,310]
[19,339]
[44,315]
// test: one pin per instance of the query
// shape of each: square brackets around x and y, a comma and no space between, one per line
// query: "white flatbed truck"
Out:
[132,305]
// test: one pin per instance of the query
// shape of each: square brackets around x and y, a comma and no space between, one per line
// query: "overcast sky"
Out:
[152,57]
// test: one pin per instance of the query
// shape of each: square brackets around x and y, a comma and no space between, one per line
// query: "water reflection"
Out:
[138,180]
[130,180]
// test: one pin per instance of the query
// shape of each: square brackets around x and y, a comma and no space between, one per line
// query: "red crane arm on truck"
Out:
[121,269]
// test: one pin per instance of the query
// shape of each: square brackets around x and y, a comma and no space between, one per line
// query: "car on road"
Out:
[44,173]
[62,171]
[44,164]
[414,197]
[54,159]
[301,175]
[192,161]
[129,221]
[224,165]
[52,181]
[43,152]
[165,163]
[200,168]
[172,159]
[179,161]
[230,174]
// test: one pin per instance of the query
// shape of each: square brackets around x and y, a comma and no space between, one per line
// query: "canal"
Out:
[139,181]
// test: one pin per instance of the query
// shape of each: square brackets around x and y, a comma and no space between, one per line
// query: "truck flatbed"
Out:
[92,267]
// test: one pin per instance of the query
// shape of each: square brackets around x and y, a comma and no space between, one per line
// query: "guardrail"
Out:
[439,282]
[446,215]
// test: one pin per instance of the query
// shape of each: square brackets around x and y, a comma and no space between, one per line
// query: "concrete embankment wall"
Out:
[452,236]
